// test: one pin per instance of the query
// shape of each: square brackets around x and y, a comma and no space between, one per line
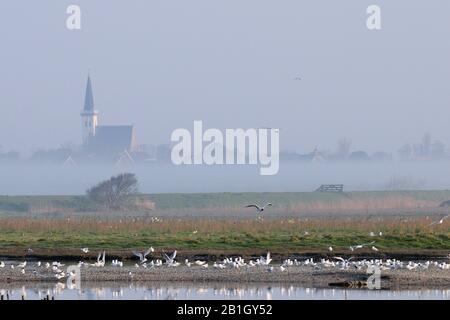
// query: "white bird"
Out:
[187,263]
[85,250]
[170,259]
[199,262]
[330,248]
[22,265]
[142,256]
[2,264]
[38,264]
[374,248]
[359,246]
[265,260]
[258,208]
[282,268]
[100,260]
[117,263]
[23,271]
[439,221]
[59,275]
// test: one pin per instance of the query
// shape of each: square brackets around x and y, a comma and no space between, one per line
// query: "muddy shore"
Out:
[304,276]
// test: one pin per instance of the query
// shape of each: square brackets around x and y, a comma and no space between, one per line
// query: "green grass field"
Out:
[280,234]
[208,222]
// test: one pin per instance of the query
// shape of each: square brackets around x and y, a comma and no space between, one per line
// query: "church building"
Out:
[103,140]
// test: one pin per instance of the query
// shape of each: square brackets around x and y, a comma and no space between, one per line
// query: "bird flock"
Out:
[169,260]
[238,262]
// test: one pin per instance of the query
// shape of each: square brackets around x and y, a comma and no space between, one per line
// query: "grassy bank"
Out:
[397,233]
[223,204]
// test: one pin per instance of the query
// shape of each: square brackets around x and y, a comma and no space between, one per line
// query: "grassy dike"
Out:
[25,223]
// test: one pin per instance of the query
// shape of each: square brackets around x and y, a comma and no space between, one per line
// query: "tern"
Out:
[170,259]
[142,256]
[258,208]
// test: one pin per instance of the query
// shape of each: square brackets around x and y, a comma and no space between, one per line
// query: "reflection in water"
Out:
[188,291]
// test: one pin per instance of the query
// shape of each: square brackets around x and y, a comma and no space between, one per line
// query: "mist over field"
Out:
[165,178]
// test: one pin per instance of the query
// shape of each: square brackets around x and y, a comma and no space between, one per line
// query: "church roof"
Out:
[89,98]
[112,139]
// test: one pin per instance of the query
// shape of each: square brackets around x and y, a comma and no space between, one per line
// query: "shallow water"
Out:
[209,291]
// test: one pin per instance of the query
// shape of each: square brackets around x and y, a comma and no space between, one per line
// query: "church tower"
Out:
[89,117]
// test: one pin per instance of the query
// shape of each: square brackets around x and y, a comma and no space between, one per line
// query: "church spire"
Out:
[89,98]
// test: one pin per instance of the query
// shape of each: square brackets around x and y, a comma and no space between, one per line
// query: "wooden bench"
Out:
[330,188]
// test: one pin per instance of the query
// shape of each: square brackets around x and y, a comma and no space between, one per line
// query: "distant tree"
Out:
[358,156]
[9,157]
[115,192]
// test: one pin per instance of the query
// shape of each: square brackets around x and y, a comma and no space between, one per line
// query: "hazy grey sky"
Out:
[160,65]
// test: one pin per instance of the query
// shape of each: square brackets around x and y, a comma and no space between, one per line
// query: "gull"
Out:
[440,221]
[55,269]
[59,275]
[2,264]
[47,265]
[85,250]
[22,265]
[117,263]
[142,256]
[57,264]
[100,260]
[360,246]
[265,260]
[200,263]
[258,208]
[38,264]
[170,259]
[374,248]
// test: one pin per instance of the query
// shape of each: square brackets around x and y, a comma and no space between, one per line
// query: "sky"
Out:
[160,65]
